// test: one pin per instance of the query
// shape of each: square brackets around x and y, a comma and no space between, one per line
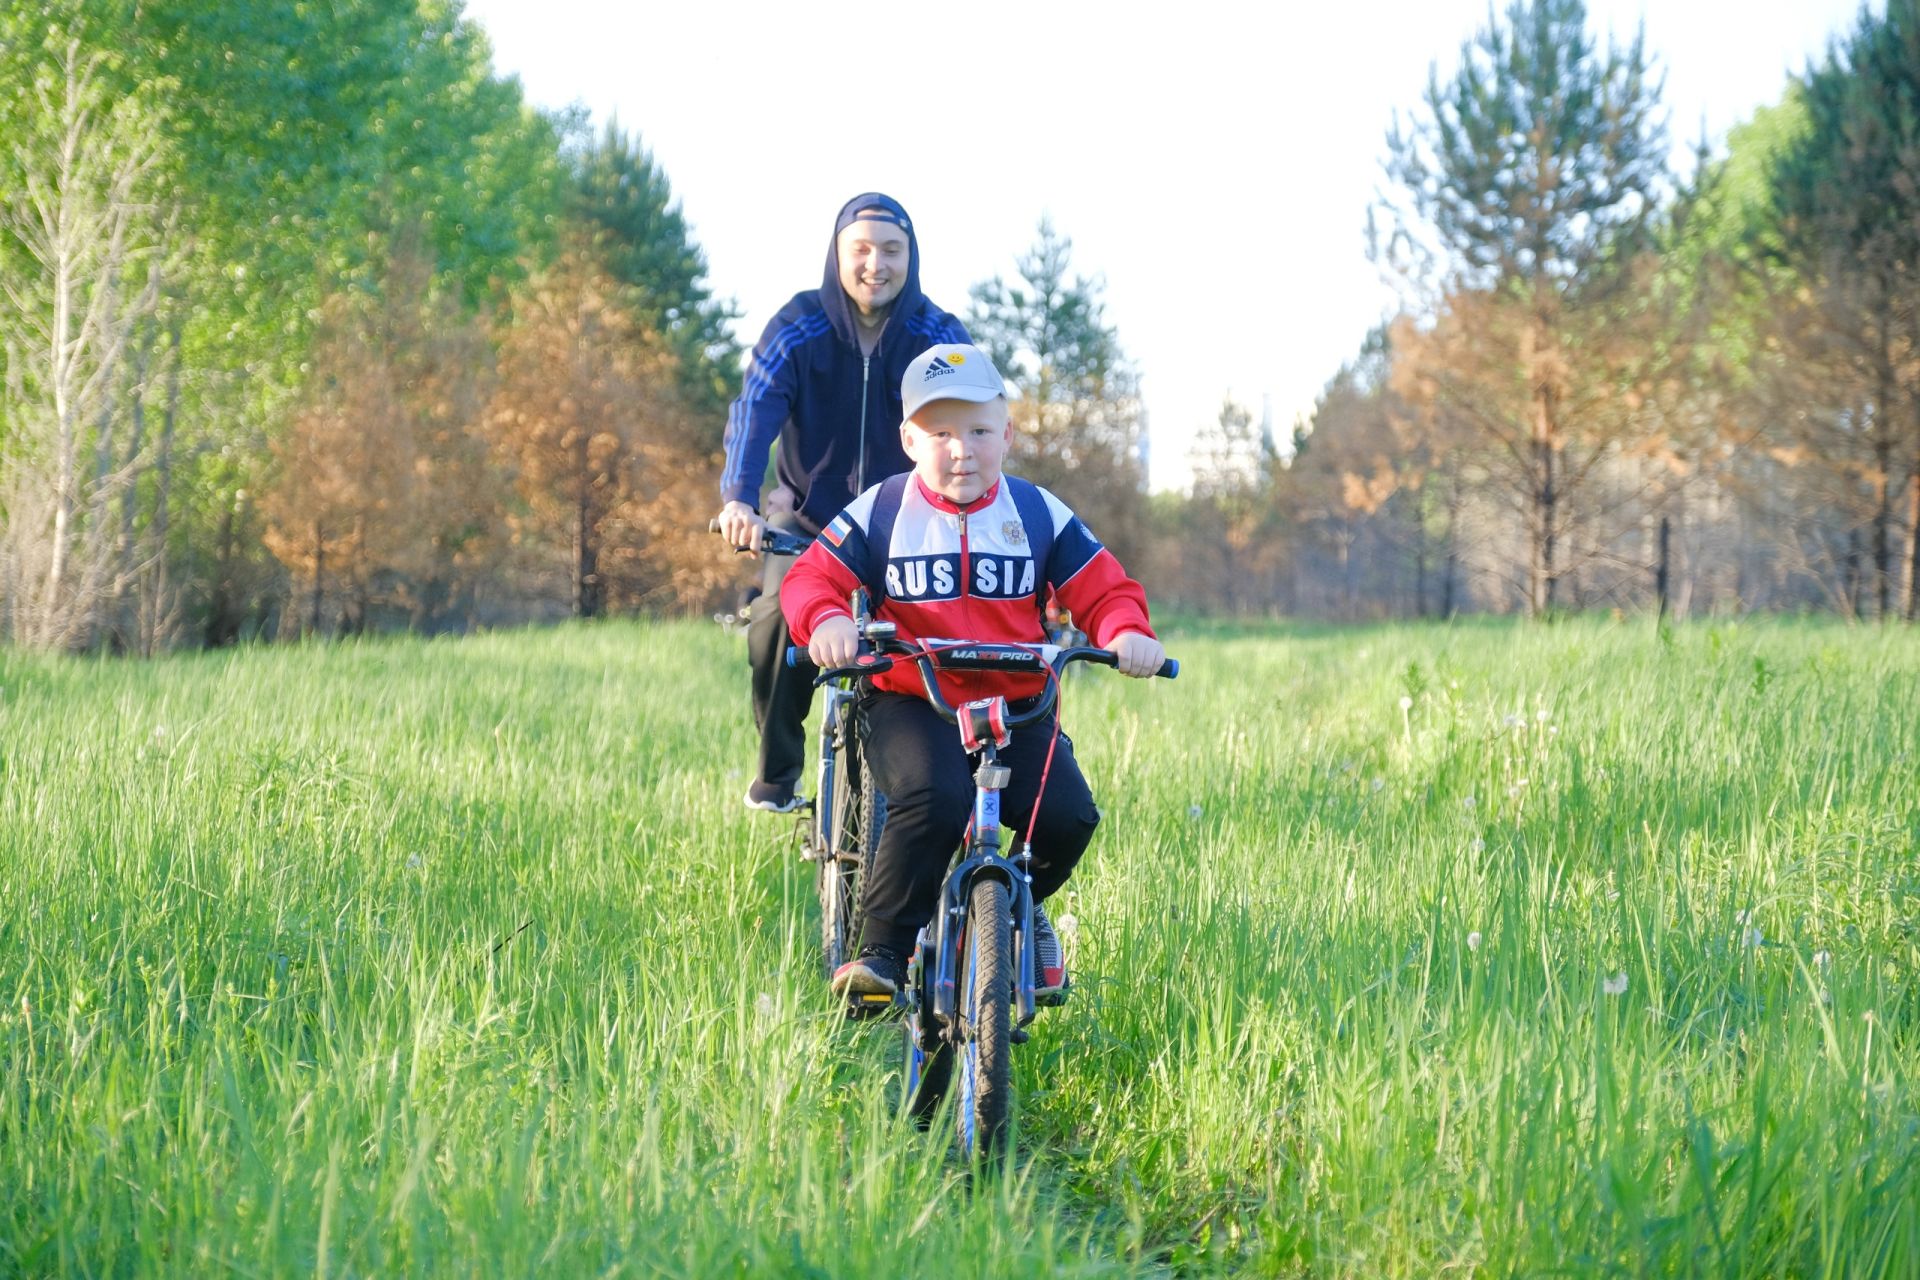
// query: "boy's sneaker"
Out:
[1049,962]
[876,971]
[771,799]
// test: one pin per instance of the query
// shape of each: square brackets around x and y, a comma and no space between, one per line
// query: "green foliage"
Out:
[1722,245]
[458,957]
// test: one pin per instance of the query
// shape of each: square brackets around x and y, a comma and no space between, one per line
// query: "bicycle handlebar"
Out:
[778,541]
[934,655]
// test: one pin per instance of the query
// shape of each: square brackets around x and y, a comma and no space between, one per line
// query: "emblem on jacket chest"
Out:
[1014,533]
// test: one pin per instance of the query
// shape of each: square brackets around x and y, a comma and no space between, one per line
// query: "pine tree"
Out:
[1078,426]
[1533,175]
[642,241]
[1848,195]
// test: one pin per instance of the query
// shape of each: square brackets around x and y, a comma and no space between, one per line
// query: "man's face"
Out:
[958,446]
[873,264]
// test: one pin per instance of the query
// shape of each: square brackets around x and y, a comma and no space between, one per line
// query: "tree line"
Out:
[309,324]
[1612,386]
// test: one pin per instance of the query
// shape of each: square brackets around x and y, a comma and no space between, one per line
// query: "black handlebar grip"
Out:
[795,655]
[1169,669]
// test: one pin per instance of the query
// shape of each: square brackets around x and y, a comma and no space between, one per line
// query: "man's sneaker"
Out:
[1049,962]
[876,971]
[771,799]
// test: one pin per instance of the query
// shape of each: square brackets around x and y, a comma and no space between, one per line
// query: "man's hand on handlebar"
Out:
[741,526]
[835,643]
[1139,656]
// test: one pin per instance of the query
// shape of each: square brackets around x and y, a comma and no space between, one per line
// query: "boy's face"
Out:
[958,446]
[873,264]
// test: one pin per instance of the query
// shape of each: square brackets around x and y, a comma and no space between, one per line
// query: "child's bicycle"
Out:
[969,993]
[842,821]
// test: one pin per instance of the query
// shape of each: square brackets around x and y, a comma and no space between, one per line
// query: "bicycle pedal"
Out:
[1055,999]
[869,1004]
[1018,1035]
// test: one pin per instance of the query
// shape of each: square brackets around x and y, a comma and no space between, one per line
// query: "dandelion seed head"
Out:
[1473,940]
[1406,702]
[1752,937]
[415,862]
[1067,926]
[1479,844]
[1194,811]
[1467,802]
[1542,716]
[1615,985]
[1514,720]
[763,1007]
[1376,785]
[1821,959]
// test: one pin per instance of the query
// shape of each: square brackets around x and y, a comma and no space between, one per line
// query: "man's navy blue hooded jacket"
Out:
[807,383]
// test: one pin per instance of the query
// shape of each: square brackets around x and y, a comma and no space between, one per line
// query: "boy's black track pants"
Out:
[918,762]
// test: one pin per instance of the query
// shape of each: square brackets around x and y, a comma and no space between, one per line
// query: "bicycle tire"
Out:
[983,1114]
[862,843]
[839,923]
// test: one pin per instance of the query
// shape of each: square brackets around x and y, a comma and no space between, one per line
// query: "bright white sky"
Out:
[1212,160]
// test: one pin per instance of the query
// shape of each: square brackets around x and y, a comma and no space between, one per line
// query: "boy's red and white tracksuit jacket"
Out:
[963,574]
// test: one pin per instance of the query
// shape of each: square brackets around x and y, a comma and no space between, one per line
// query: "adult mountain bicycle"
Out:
[841,824]
[969,991]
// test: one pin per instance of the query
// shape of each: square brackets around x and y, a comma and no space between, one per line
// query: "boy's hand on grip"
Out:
[1140,656]
[835,643]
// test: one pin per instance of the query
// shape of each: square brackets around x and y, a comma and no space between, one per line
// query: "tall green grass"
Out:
[1598,956]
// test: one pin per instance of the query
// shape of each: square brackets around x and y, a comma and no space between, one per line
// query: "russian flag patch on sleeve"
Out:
[837,532]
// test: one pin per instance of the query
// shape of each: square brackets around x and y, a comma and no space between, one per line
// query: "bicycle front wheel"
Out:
[983,1111]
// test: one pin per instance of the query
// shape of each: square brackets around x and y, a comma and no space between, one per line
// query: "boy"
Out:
[961,544]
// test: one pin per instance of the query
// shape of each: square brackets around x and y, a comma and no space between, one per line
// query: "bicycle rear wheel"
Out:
[854,822]
[983,1111]
[839,930]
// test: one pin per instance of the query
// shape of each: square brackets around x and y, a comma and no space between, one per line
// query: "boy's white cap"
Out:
[950,371]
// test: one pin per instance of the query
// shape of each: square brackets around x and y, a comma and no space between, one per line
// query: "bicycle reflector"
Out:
[981,719]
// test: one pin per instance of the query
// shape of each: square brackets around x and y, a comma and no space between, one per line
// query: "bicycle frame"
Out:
[983,858]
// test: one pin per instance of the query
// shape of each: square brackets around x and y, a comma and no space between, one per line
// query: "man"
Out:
[825,380]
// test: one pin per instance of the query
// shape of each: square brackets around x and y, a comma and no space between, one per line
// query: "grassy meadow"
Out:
[1485,949]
